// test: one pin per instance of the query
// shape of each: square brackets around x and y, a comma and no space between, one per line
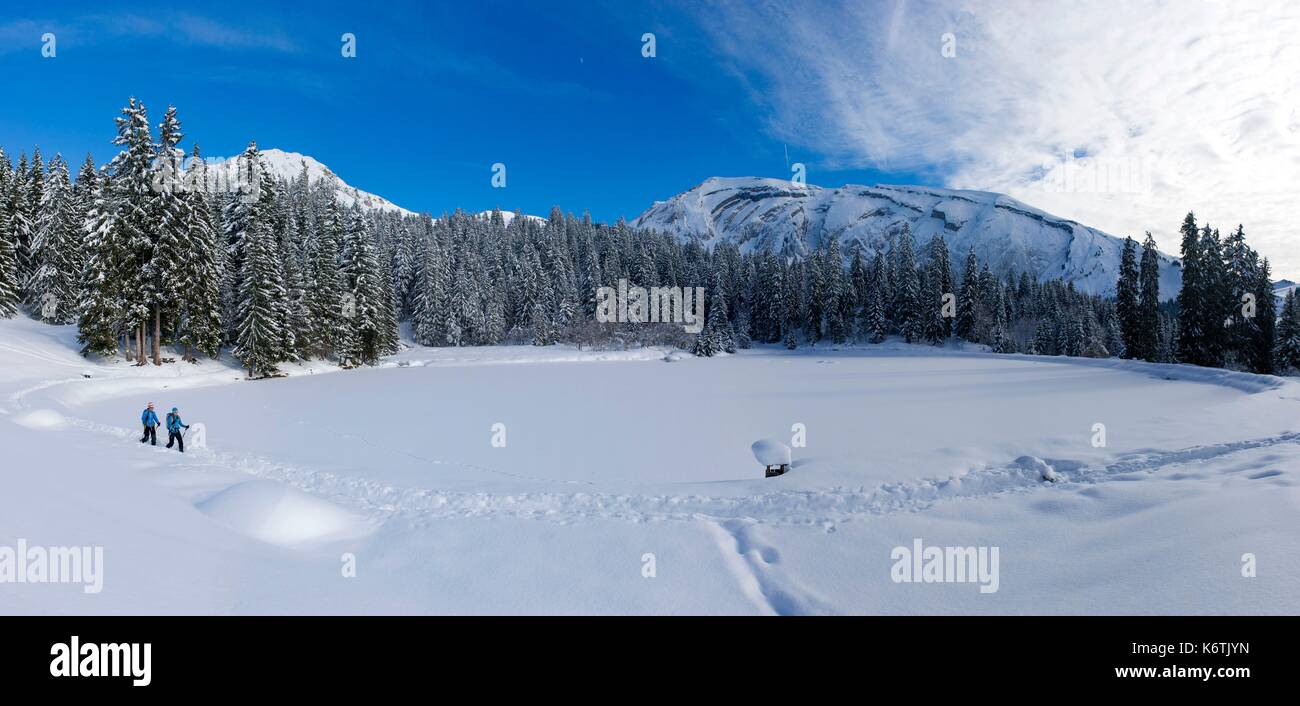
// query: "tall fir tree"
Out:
[259,340]
[9,286]
[1287,354]
[1217,299]
[1127,292]
[201,274]
[1263,327]
[907,295]
[164,287]
[53,289]
[325,297]
[132,179]
[1146,332]
[101,318]
[968,299]
[361,286]
[1192,297]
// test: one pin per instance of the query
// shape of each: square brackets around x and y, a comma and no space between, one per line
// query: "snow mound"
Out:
[279,514]
[42,419]
[771,453]
[1040,467]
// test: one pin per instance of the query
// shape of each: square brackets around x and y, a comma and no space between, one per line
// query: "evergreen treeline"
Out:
[145,252]
[1227,316]
[149,251]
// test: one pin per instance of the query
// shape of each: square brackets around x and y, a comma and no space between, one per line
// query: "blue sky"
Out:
[1121,114]
[559,92]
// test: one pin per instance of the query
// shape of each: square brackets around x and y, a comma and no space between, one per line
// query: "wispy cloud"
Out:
[1199,101]
[201,30]
[180,28]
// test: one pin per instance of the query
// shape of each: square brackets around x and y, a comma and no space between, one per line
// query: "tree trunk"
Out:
[139,344]
[157,335]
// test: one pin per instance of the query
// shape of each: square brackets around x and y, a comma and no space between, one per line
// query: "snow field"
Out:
[629,486]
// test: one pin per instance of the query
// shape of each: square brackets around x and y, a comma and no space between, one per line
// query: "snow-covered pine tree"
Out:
[20,227]
[83,199]
[1192,297]
[1264,328]
[165,287]
[1114,338]
[942,284]
[539,297]
[239,214]
[1127,288]
[101,318]
[389,329]
[1001,338]
[53,290]
[818,287]
[31,197]
[325,295]
[9,287]
[290,239]
[1287,356]
[135,226]
[968,299]
[1240,265]
[259,318]
[202,327]
[427,316]
[768,300]
[361,286]
[907,295]
[839,296]
[859,277]
[792,313]
[726,333]
[1147,330]
[1218,300]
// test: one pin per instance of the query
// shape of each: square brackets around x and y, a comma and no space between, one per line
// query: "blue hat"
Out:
[173,409]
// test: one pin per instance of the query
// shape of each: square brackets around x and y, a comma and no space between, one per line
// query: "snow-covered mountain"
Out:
[756,213]
[1281,288]
[289,165]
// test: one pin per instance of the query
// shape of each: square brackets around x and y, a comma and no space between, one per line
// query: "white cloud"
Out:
[1188,105]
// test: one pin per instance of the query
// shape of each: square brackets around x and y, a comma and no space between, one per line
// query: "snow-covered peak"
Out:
[1281,288]
[288,165]
[776,214]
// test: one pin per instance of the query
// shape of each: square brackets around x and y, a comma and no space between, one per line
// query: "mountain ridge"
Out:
[756,213]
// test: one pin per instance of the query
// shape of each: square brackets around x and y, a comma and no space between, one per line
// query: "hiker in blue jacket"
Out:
[150,421]
[174,426]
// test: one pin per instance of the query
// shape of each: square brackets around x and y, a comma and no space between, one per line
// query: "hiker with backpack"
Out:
[174,426]
[150,420]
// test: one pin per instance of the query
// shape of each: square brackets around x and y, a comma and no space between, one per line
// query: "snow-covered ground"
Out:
[553,480]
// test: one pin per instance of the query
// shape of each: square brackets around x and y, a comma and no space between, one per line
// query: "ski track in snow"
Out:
[754,565]
[733,515]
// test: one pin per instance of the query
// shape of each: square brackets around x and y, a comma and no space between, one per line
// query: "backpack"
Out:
[170,419]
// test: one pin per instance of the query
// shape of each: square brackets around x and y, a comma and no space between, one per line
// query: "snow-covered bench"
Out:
[774,455]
